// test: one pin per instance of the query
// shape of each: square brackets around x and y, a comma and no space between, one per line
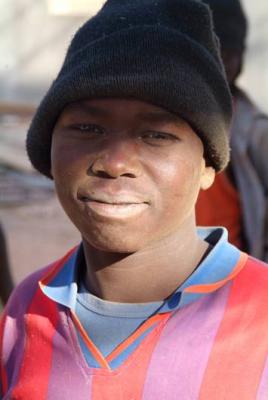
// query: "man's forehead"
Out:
[108,107]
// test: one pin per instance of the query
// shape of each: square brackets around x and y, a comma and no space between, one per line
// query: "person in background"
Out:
[6,284]
[238,197]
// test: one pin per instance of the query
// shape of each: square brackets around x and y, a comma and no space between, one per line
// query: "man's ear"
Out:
[207,178]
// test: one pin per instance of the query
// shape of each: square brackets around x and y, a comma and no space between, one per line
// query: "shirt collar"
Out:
[222,263]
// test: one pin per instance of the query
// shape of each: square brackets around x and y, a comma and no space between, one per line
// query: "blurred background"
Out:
[34,38]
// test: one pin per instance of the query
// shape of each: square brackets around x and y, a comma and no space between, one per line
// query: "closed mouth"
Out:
[114,208]
[112,202]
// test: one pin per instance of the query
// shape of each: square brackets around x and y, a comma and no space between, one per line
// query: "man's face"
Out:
[127,173]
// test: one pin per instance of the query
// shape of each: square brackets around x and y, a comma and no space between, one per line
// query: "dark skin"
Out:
[6,283]
[128,174]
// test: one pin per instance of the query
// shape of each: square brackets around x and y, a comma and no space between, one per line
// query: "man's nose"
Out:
[119,158]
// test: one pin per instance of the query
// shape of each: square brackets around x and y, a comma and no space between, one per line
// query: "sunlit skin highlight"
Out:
[128,174]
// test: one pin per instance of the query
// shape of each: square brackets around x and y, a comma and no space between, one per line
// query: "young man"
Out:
[238,199]
[147,307]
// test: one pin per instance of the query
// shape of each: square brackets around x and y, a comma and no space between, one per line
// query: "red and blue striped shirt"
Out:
[209,341]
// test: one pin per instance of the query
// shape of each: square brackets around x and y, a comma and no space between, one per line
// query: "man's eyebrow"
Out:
[87,108]
[160,116]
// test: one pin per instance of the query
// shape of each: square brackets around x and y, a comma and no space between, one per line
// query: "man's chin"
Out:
[112,244]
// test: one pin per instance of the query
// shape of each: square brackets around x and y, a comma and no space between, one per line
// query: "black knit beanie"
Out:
[230,23]
[160,51]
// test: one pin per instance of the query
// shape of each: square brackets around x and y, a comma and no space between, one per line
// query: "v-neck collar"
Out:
[222,263]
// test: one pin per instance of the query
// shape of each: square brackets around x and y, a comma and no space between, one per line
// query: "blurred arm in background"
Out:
[6,283]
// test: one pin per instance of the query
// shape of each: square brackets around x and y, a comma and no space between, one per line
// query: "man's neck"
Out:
[148,275]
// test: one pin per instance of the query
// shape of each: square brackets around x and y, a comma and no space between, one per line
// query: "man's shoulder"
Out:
[246,106]
[250,135]
[259,265]
[254,271]
[23,294]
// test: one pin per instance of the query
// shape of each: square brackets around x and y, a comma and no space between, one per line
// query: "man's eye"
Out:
[158,138]
[90,128]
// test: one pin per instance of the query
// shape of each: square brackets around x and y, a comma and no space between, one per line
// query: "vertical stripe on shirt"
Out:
[3,373]
[263,388]
[68,372]
[242,340]
[127,381]
[180,357]
[14,334]
[40,324]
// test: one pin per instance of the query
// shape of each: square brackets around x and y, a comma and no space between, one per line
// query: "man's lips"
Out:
[119,202]
[114,206]
[116,197]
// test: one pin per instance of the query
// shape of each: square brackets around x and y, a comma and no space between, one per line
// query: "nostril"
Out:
[129,175]
[100,174]
[109,173]
[103,174]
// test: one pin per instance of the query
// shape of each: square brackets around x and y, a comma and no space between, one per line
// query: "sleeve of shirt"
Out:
[12,329]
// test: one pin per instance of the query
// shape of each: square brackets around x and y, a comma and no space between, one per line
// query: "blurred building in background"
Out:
[34,38]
